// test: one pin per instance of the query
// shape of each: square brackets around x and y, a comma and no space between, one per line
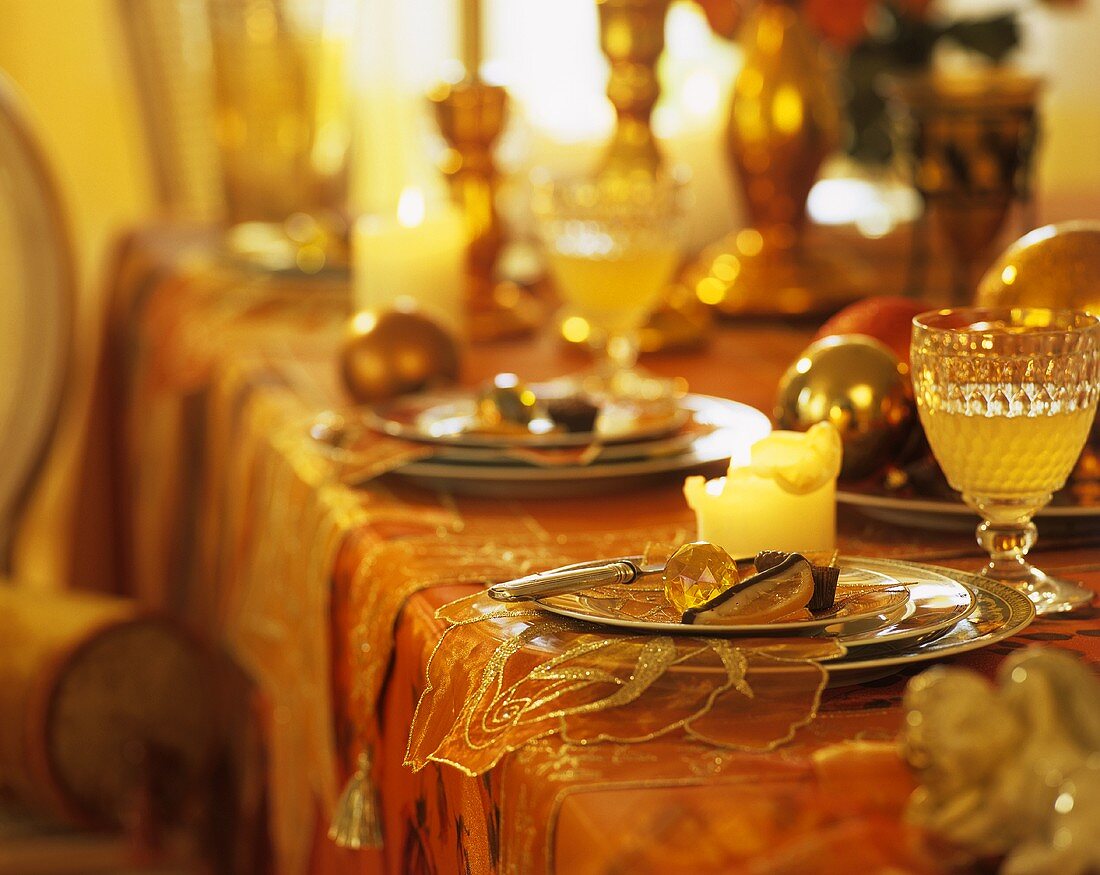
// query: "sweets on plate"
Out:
[825,577]
[574,413]
[768,595]
[702,583]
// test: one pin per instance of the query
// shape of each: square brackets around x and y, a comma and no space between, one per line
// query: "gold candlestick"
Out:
[471,37]
[632,36]
[471,116]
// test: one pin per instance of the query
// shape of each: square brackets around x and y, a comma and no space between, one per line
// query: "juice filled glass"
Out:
[1007,397]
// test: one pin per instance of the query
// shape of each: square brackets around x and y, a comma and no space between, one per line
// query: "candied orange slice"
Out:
[759,599]
[799,462]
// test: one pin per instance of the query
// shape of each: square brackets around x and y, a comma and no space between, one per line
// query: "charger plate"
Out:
[996,612]
[730,427]
[999,612]
[946,513]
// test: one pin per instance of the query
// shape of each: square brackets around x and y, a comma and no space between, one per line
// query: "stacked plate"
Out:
[696,432]
[890,614]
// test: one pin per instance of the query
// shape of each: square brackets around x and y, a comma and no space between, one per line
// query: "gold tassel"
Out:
[357,822]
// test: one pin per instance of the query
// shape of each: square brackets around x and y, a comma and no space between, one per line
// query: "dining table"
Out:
[330,580]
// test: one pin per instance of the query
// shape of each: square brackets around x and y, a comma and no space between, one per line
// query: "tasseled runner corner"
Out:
[357,821]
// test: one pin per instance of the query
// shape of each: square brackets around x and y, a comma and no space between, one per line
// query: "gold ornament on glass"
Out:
[1007,397]
[1053,266]
[612,245]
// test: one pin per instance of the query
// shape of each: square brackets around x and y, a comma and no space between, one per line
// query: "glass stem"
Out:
[622,351]
[1007,545]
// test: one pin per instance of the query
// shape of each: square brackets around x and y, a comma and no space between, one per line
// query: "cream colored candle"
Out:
[419,253]
[784,499]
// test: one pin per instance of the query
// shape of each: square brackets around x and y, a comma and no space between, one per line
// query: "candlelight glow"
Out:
[410,207]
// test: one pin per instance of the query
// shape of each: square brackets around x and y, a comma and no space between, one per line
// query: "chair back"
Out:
[36,301]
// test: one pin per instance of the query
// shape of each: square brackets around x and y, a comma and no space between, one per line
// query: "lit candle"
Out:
[417,253]
[784,499]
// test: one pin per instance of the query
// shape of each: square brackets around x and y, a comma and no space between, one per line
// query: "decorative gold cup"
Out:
[969,142]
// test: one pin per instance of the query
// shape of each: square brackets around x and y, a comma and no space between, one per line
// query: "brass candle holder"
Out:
[471,115]
[632,36]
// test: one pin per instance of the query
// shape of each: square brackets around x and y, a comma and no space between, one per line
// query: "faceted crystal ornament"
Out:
[696,573]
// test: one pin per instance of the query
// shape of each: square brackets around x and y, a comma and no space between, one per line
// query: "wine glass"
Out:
[1007,397]
[613,243]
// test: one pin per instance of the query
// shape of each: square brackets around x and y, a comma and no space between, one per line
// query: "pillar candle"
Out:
[417,253]
[783,499]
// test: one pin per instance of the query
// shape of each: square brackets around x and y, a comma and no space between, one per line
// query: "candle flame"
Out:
[410,207]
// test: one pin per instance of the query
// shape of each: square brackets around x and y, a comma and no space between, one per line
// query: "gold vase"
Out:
[784,121]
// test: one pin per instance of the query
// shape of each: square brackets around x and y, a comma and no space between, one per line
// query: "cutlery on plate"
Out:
[570,578]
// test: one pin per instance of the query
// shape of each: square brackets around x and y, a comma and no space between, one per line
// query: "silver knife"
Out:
[570,578]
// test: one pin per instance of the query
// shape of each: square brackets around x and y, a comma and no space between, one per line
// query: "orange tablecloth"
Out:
[215,375]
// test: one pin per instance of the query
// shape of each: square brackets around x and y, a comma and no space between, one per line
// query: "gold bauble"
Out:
[396,352]
[1053,266]
[858,385]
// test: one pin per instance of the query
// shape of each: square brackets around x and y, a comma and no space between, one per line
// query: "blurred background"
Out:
[72,62]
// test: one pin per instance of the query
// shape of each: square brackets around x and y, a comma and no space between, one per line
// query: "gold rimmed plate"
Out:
[727,427]
[862,593]
[934,606]
[924,499]
[451,419]
[999,612]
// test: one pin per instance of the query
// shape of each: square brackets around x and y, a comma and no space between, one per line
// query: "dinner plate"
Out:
[935,605]
[451,419]
[556,457]
[729,428]
[927,501]
[861,593]
[999,612]
[894,508]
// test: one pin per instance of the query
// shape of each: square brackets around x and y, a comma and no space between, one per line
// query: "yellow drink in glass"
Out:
[1007,398]
[612,244]
[613,291]
[995,456]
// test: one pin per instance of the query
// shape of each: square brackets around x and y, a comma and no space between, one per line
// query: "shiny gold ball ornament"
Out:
[1054,266]
[396,352]
[858,385]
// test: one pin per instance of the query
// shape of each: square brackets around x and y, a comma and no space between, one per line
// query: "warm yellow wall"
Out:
[67,56]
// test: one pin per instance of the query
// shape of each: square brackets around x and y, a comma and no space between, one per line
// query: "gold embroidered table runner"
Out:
[503,676]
